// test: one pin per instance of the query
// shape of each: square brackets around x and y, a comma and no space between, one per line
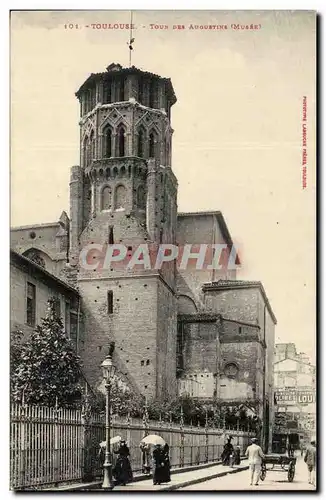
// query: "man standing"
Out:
[310,459]
[255,455]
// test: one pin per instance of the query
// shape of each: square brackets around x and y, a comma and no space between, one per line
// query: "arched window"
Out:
[167,151]
[35,256]
[106,198]
[141,198]
[152,93]
[120,197]
[92,146]
[121,141]
[152,145]
[86,151]
[140,145]
[107,142]
[122,90]
[140,91]
[107,92]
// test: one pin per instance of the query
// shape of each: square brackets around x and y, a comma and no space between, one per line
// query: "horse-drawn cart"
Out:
[278,463]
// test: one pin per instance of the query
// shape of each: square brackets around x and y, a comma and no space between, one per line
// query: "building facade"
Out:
[31,286]
[295,394]
[177,329]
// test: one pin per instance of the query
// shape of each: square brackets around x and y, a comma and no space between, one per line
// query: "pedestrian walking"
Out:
[145,450]
[310,459]
[227,452]
[122,470]
[166,474]
[237,453]
[158,464]
[255,455]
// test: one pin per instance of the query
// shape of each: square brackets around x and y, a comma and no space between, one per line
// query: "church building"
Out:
[176,329]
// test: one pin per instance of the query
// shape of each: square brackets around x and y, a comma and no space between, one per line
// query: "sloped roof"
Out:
[296,360]
[25,263]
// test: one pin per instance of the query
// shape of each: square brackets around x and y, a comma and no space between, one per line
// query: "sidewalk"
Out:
[179,479]
[182,479]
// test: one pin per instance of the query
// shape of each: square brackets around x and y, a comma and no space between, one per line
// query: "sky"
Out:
[237,145]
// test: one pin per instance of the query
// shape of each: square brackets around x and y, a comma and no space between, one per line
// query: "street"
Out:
[273,481]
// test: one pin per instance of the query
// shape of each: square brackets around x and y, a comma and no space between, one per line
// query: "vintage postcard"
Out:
[162,253]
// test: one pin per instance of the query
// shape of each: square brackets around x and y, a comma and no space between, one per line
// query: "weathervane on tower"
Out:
[131,40]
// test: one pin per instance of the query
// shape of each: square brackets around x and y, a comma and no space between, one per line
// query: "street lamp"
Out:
[108,370]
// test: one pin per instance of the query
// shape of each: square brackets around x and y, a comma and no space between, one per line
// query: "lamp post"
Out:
[108,370]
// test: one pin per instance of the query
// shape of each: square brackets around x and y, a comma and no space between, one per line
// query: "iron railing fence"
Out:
[54,445]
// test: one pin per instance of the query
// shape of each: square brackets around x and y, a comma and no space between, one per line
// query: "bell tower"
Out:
[124,192]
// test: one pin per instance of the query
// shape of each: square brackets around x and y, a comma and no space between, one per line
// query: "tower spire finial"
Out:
[131,40]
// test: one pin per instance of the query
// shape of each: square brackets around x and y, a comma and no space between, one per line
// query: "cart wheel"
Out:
[263,473]
[291,473]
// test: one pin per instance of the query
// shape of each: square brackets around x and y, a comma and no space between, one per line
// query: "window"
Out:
[120,196]
[35,256]
[152,93]
[86,154]
[140,91]
[107,149]
[141,198]
[31,304]
[107,93]
[121,141]
[67,318]
[106,198]
[140,145]
[110,302]
[231,370]
[111,239]
[122,90]
[152,145]
[92,146]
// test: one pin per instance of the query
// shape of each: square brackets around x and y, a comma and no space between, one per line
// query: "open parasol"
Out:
[153,439]
[114,440]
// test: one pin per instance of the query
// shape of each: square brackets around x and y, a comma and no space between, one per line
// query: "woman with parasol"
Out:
[159,456]
[158,464]
[122,470]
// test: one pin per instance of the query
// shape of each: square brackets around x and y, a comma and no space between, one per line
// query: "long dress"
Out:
[237,457]
[228,449]
[166,477]
[122,470]
[158,466]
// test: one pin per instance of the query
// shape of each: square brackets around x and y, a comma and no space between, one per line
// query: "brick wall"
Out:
[247,383]
[200,359]
[196,230]
[141,325]
[241,304]
[166,341]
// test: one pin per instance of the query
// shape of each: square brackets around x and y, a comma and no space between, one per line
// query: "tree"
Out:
[123,401]
[46,369]
[15,352]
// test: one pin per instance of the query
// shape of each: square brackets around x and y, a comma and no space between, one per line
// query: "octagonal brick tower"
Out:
[124,192]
